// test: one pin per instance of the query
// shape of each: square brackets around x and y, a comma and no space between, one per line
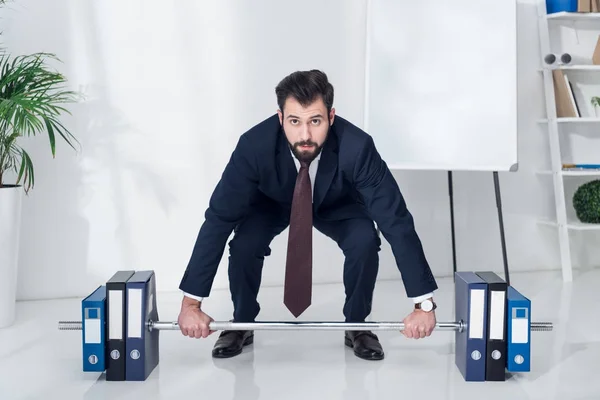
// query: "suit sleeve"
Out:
[228,205]
[386,206]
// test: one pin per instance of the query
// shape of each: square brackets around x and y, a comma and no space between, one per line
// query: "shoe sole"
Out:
[247,342]
[348,343]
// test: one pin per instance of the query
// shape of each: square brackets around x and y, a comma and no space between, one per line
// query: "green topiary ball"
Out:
[586,202]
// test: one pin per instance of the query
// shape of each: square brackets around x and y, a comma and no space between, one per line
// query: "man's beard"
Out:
[305,155]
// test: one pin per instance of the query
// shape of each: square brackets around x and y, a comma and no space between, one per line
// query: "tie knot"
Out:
[304,164]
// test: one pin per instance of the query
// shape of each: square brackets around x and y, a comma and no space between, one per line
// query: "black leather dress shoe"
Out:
[365,344]
[231,343]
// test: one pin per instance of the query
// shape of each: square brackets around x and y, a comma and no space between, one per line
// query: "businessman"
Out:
[299,168]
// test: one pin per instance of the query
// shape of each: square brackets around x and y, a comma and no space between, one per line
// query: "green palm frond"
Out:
[32,100]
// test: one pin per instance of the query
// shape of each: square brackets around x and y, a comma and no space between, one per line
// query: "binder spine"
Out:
[135,342]
[471,308]
[115,370]
[93,336]
[496,345]
[518,357]
[477,331]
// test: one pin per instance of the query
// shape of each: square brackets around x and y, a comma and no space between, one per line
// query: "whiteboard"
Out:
[441,83]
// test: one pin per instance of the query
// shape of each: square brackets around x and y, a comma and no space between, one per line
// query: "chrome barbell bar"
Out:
[301,325]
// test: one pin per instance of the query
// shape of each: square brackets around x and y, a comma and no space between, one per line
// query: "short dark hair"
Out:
[305,87]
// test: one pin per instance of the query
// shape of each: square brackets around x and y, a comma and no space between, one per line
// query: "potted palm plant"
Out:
[32,99]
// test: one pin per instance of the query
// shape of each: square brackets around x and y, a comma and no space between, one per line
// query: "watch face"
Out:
[427,305]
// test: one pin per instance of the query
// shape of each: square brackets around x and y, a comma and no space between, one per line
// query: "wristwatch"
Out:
[426,305]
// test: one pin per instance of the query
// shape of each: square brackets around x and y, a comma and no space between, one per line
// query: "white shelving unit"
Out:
[562,223]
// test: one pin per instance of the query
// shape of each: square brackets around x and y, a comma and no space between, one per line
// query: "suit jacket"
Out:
[352,181]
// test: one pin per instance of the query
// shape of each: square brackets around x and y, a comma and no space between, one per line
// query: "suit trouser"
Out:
[357,238]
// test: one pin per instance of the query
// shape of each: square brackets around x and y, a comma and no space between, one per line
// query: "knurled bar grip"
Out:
[278,326]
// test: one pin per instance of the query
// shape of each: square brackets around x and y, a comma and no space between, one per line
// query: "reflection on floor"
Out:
[38,361]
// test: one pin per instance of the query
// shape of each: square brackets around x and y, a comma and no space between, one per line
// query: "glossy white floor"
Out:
[38,361]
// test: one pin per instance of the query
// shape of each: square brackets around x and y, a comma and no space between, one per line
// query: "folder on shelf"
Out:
[495,363]
[584,6]
[471,308]
[115,325]
[566,104]
[93,330]
[518,355]
[596,53]
[142,344]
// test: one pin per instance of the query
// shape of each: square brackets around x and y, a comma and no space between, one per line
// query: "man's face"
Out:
[305,127]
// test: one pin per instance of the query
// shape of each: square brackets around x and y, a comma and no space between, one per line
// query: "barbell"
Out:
[121,326]
[291,325]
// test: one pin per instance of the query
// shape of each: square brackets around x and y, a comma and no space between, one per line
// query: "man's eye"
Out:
[315,121]
[293,121]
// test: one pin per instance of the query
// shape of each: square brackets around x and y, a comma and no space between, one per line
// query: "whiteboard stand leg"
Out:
[501,225]
[451,194]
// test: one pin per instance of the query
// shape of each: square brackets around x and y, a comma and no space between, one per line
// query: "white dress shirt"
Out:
[312,172]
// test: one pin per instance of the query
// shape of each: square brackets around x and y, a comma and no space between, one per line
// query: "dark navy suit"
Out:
[353,189]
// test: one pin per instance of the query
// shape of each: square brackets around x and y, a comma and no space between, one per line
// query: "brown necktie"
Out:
[298,271]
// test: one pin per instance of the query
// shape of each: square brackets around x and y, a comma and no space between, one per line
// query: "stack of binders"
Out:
[115,336]
[497,319]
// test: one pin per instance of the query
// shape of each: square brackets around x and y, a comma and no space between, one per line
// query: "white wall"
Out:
[170,88]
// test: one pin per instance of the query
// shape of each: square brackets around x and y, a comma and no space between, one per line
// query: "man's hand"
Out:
[192,321]
[419,324]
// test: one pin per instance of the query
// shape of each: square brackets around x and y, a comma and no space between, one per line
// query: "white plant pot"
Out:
[10,227]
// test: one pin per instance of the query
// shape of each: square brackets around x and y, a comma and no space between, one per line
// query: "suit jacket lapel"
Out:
[327,168]
[286,169]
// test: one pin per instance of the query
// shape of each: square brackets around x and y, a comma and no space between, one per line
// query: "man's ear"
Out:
[331,116]
[280,117]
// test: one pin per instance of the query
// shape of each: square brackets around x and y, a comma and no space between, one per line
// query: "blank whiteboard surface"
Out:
[442,83]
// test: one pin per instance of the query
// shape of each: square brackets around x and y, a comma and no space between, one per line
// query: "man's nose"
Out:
[305,133]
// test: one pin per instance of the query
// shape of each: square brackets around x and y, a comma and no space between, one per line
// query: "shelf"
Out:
[571,67]
[582,120]
[572,16]
[573,225]
[575,67]
[580,173]
[573,173]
